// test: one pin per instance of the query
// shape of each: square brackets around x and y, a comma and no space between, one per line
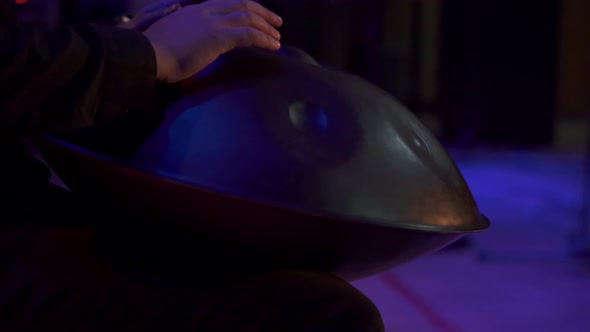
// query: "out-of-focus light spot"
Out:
[21,2]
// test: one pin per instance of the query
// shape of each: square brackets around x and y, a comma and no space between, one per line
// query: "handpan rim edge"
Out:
[481,224]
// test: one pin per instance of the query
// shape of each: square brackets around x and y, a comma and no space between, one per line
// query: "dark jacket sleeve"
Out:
[72,77]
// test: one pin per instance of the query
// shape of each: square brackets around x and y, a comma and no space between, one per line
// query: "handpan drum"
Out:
[274,162]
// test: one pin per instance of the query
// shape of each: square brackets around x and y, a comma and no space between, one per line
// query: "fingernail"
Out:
[277,44]
[279,19]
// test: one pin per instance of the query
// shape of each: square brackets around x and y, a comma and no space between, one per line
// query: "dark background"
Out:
[497,72]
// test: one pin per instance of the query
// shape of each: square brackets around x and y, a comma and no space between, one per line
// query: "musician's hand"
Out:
[191,38]
[151,13]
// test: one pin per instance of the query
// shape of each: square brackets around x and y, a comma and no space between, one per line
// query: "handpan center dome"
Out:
[308,117]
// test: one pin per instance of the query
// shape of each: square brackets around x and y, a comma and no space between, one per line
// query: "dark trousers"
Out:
[51,279]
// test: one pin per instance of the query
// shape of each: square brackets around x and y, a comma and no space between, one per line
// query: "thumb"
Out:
[172,8]
[150,17]
[157,14]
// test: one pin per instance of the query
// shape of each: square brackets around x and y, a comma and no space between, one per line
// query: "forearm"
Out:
[72,77]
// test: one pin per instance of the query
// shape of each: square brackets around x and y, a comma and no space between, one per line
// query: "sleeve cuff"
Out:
[130,69]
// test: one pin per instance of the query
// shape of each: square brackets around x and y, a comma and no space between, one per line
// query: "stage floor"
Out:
[516,276]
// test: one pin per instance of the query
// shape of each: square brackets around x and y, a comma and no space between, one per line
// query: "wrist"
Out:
[163,63]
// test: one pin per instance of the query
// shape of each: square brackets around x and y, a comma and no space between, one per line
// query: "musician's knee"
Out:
[322,302]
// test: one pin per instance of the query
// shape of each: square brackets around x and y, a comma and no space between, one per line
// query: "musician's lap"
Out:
[51,280]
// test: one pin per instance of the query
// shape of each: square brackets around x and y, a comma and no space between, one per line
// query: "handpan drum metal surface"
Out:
[276,163]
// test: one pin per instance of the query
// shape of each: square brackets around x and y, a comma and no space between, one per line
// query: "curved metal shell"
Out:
[291,165]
